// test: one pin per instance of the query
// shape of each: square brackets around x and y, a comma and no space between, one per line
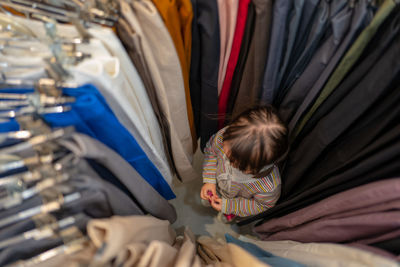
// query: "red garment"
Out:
[233,58]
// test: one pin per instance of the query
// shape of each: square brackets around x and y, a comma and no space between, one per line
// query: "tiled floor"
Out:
[201,220]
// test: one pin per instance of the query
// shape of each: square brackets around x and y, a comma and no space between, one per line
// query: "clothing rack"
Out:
[103,103]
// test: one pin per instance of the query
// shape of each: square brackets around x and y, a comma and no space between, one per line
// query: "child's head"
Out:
[256,138]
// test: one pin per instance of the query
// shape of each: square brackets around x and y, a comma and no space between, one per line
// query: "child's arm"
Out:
[210,163]
[245,207]
[209,188]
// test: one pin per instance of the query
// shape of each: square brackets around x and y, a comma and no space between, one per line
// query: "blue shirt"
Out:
[91,115]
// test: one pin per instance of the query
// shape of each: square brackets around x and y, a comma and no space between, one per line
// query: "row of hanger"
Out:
[104,12]
[48,171]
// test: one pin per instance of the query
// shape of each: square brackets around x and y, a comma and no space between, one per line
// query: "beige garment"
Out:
[227,11]
[187,250]
[228,254]
[114,234]
[207,256]
[130,255]
[158,254]
[157,43]
[161,254]
[177,16]
[168,63]
[322,254]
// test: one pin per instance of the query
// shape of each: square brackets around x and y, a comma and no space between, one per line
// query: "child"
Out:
[240,163]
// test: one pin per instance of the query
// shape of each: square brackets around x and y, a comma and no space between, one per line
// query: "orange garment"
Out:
[177,16]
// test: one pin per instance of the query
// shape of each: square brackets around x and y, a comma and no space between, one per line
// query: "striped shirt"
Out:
[241,194]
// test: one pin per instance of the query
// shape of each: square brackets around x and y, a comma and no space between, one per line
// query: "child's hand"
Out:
[216,203]
[208,187]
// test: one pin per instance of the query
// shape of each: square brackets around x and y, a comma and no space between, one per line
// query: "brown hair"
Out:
[257,137]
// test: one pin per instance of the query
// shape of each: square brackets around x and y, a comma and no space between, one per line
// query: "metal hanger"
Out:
[17,135]
[35,99]
[26,83]
[7,23]
[33,110]
[46,231]
[67,249]
[45,208]
[40,158]
[38,140]
[16,196]
[28,177]
[85,12]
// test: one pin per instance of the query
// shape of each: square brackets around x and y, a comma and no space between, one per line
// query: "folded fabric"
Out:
[322,254]
[261,254]
[115,233]
[131,255]
[226,254]
[149,245]
[376,250]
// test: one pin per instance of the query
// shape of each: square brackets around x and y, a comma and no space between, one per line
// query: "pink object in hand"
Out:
[229,217]
[209,193]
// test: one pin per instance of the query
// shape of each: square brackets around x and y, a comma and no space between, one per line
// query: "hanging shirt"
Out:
[91,115]
[233,58]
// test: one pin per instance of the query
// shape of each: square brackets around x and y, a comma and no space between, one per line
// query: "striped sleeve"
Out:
[265,193]
[250,206]
[210,163]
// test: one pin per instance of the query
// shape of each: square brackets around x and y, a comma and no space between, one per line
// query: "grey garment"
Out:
[146,196]
[340,25]
[31,223]
[294,16]
[98,199]
[30,248]
[330,130]
[120,203]
[305,50]
[107,199]
[133,44]
[308,16]
[362,17]
[250,84]
[276,47]
[16,229]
